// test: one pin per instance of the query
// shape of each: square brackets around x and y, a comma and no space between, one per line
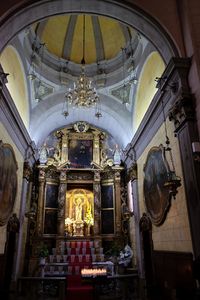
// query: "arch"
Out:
[153,67]
[51,113]
[12,64]
[133,16]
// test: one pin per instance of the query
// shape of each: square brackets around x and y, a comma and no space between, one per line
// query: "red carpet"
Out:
[79,258]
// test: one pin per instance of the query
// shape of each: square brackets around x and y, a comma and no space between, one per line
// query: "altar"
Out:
[78,194]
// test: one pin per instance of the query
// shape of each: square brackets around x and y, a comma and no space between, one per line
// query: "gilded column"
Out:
[40,202]
[117,203]
[61,203]
[64,149]
[97,202]
[96,150]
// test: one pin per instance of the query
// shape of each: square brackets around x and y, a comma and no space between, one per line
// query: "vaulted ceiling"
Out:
[121,62]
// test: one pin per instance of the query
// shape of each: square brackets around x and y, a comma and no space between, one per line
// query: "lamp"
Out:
[173,181]
[83,93]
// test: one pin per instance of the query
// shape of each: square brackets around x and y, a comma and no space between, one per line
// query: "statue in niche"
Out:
[79,212]
[78,202]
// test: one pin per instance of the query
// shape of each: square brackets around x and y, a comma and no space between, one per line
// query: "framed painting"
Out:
[50,222]
[51,196]
[107,221]
[156,194]
[8,182]
[80,153]
[107,196]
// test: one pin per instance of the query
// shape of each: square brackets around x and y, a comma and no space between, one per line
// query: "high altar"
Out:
[78,192]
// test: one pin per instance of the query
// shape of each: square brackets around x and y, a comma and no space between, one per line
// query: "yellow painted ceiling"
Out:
[107,36]
[153,67]
[16,85]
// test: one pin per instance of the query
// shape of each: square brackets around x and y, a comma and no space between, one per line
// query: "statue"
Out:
[78,209]
[125,256]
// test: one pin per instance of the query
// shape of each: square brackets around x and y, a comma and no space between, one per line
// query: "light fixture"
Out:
[38,84]
[173,181]
[31,70]
[83,93]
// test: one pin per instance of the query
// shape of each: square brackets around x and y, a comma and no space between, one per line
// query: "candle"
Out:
[93,272]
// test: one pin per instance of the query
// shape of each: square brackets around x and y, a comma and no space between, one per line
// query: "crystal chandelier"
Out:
[83,93]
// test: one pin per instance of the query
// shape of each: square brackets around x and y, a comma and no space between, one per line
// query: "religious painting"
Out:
[50,221]
[8,182]
[156,194]
[80,153]
[52,196]
[107,196]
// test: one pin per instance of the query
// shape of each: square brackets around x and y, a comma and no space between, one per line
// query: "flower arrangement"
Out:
[43,251]
[89,218]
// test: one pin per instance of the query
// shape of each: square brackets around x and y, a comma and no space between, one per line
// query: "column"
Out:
[64,149]
[118,227]
[97,202]
[96,151]
[40,202]
[26,187]
[183,115]
[61,203]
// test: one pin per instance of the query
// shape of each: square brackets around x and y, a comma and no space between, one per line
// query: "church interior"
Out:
[100,150]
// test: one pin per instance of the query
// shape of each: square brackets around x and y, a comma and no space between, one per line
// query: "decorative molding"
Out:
[176,71]
[182,111]
[80,176]
[122,93]
[41,89]
[145,223]
[14,125]
[27,171]
[132,172]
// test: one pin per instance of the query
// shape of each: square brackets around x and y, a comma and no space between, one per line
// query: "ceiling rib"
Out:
[69,37]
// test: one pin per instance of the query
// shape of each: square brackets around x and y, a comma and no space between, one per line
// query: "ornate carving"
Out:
[96,189]
[42,174]
[27,171]
[52,173]
[61,201]
[63,176]
[13,224]
[132,172]
[97,176]
[182,110]
[145,223]
[108,173]
[3,79]
[123,209]
[81,126]
[80,176]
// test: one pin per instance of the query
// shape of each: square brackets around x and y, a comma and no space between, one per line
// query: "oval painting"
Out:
[156,195]
[8,182]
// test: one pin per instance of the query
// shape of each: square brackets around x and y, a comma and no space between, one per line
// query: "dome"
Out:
[63,37]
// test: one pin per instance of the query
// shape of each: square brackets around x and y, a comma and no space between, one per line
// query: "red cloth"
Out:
[76,290]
